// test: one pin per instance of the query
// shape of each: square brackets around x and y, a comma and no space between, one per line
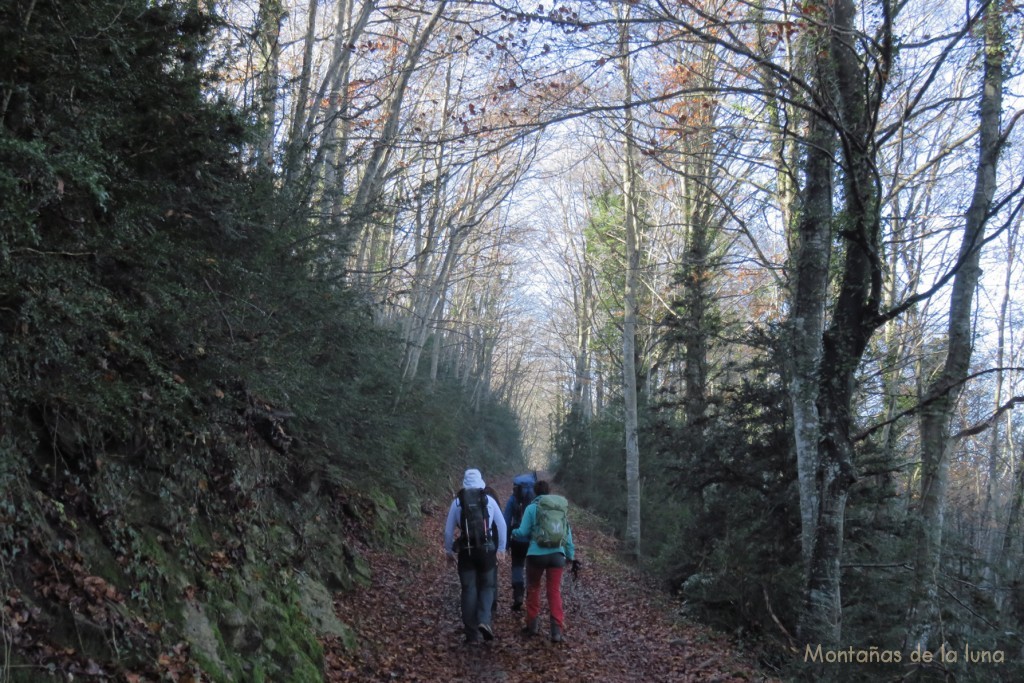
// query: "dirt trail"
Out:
[409,626]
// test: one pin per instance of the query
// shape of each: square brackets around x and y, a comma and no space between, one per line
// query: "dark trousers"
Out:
[477,578]
[518,552]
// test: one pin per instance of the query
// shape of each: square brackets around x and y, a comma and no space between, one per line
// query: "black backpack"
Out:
[475,532]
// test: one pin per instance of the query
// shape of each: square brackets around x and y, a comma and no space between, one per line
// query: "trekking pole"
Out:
[576,588]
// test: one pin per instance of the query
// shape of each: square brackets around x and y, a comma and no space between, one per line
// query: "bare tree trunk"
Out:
[630,192]
[813,245]
[435,357]
[845,85]
[989,526]
[1011,544]
[332,154]
[293,146]
[581,390]
[698,214]
[810,240]
[583,303]
[942,395]
[268,42]
[371,184]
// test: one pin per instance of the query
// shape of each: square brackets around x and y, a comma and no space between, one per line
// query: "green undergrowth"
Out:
[202,429]
[239,592]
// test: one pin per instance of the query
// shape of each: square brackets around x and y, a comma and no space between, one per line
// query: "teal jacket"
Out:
[524,532]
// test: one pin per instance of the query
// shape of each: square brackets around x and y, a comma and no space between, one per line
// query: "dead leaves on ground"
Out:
[618,628]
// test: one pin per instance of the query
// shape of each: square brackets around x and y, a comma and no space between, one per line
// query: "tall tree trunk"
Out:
[332,155]
[856,98]
[989,527]
[371,184]
[807,218]
[293,146]
[583,294]
[630,191]
[268,42]
[1011,544]
[698,214]
[435,357]
[941,396]
[806,325]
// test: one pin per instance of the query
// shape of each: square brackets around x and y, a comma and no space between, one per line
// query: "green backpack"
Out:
[552,524]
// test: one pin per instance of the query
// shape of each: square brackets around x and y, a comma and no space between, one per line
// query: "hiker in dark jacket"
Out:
[473,512]
[514,509]
[544,561]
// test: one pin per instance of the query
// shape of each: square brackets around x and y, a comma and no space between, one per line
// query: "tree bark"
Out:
[853,99]
[806,325]
[629,323]
[989,527]
[942,395]
[701,226]
[583,303]
[268,42]
[370,185]
[294,145]
[333,152]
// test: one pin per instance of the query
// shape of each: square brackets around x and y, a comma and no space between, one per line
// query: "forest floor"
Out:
[617,626]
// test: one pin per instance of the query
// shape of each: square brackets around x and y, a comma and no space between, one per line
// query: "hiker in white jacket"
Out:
[473,512]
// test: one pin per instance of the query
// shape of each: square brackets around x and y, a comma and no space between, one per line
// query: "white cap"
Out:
[473,480]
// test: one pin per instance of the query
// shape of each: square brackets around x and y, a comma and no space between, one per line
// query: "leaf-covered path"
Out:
[409,627]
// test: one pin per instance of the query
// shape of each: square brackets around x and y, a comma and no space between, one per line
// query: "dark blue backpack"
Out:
[523,495]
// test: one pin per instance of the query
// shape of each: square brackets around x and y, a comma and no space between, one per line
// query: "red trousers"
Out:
[552,567]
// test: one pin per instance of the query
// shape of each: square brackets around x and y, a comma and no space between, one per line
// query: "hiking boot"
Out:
[556,632]
[517,597]
[532,627]
[486,632]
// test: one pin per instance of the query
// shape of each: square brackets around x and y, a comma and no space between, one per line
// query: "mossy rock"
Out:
[385,505]
[390,523]
[281,541]
[331,560]
[317,604]
[201,633]
[102,562]
[357,567]
[265,638]
[294,654]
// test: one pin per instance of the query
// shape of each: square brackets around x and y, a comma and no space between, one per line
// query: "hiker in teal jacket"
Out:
[542,561]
